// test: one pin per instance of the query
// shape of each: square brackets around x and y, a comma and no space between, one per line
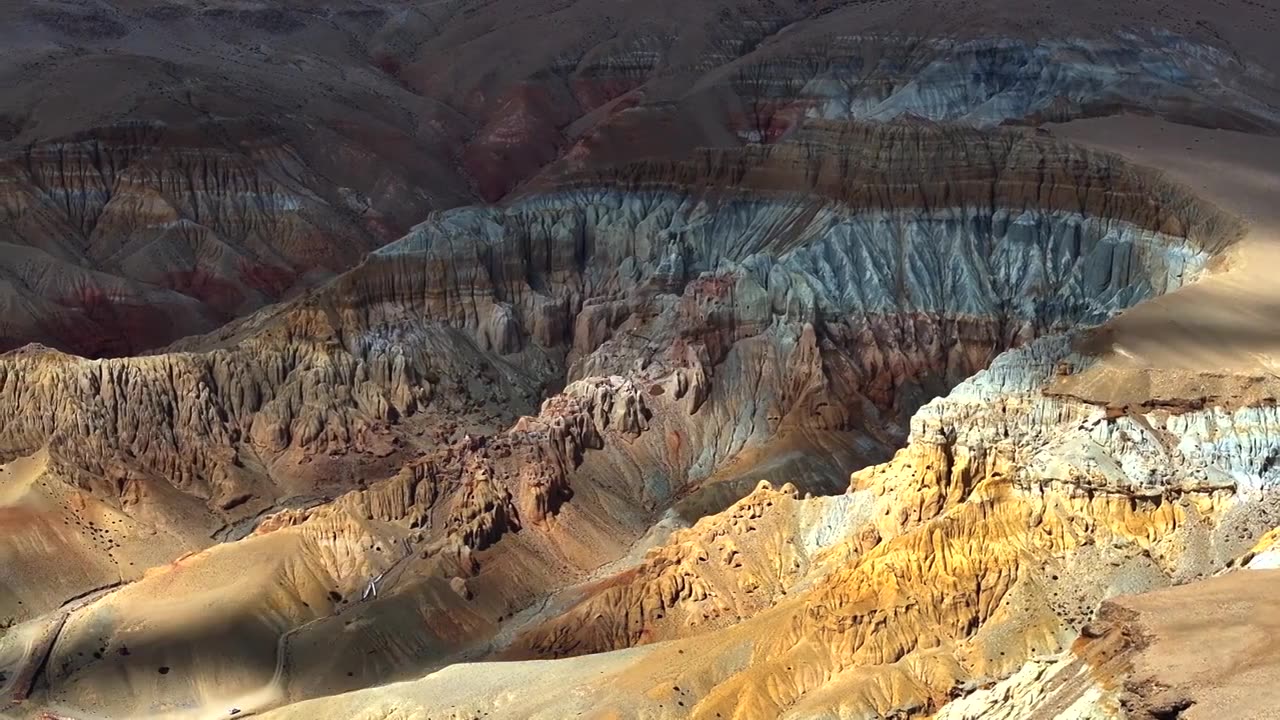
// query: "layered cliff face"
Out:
[1144,657]
[993,81]
[988,542]
[169,167]
[126,238]
[997,474]
[711,321]
[870,296]
[602,429]
[985,544]
[853,229]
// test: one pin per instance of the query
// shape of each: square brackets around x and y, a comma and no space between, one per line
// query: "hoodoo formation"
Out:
[722,360]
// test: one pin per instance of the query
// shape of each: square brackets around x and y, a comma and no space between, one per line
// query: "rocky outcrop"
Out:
[996,473]
[978,554]
[435,456]
[985,543]
[728,567]
[698,311]
[141,211]
[990,81]
[126,238]
[225,413]
[1136,659]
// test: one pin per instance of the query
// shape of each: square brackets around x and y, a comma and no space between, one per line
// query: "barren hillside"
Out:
[609,359]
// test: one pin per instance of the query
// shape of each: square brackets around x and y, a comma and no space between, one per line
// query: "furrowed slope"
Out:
[462,448]
[169,166]
[686,364]
[987,542]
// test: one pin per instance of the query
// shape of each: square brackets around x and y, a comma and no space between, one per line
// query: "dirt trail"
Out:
[37,639]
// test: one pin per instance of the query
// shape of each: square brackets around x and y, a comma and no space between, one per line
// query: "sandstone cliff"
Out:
[977,554]
[141,208]
[700,316]
[725,242]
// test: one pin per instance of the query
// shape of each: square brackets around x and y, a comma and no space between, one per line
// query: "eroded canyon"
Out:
[720,360]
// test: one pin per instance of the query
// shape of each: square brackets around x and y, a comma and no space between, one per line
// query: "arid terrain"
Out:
[610,359]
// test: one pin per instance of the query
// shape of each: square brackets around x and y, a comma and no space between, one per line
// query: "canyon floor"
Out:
[724,360]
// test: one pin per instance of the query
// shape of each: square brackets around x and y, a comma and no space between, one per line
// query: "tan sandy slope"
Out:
[1219,337]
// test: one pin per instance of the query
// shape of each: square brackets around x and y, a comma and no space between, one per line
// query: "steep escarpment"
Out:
[727,243]
[170,167]
[1144,657]
[125,238]
[961,462]
[586,84]
[164,172]
[1014,516]
[979,553]
[858,293]
[670,333]
[890,241]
